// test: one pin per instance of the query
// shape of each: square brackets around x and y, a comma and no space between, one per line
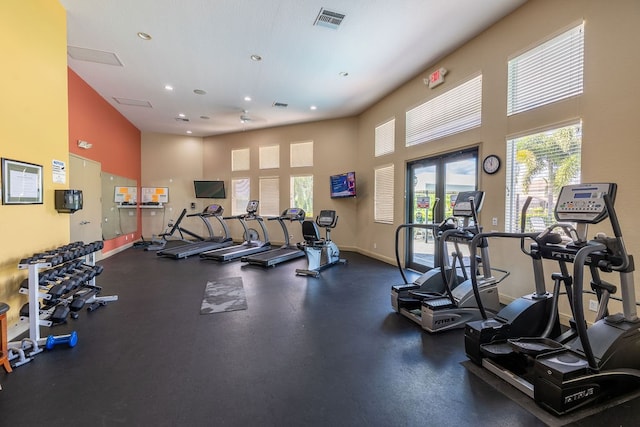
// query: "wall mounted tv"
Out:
[343,185]
[209,189]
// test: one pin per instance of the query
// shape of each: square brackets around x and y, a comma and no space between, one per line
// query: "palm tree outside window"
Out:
[538,165]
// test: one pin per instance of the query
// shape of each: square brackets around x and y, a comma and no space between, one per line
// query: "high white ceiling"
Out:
[207,44]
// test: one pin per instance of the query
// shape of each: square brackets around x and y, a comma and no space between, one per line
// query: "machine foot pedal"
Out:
[534,346]
[496,349]
[438,303]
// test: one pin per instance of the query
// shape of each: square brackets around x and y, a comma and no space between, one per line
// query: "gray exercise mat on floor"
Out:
[226,294]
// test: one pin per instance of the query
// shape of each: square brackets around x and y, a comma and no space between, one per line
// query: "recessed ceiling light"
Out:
[199,92]
[343,74]
[313,107]
[181,115]
[168,87]
[247,98]
[256,58]
[189,132]
[144,36]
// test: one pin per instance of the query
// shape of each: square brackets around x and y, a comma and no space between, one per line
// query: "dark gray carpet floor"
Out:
[306,352]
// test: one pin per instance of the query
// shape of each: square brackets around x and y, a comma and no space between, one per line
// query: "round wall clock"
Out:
[491,164]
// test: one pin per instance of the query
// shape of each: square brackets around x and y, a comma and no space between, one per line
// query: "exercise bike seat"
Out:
[310,232]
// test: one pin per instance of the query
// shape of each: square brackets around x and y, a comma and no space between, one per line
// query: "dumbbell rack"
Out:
[34,343]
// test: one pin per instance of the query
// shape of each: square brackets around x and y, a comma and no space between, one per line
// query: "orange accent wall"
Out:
[116,142]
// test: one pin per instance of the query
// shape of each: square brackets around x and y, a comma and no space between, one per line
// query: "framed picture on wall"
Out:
[21,183]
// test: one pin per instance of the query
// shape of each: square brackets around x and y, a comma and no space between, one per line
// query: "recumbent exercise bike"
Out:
[321,252]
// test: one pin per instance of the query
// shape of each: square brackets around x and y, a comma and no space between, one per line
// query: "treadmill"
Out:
[203,245]
[252,243]
[285,252]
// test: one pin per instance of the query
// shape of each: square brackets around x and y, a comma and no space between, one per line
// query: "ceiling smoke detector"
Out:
[329,19]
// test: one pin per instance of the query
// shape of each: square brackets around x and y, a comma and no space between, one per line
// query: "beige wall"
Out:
[608,108]
[175,161]
[171,161]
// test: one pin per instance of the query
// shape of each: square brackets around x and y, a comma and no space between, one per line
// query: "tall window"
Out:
[270,157]
[383,195]
[301,154]
[302,193]
[547,73]
[270,196]
[240,160]
[240,193]
[538,165]
[454,111]
[385,138]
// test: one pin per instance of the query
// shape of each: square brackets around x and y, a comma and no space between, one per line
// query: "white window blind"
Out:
[454,111]
[301,195]
[240,160]
[383,197]
[270,157]
[547,73]
[301,154]
[240,193]
[385,138]
[538,165]
[269,196]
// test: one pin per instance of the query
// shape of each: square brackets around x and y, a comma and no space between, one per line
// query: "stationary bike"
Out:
[321,252]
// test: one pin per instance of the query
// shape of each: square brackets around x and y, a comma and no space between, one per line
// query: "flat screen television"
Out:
[343,185]
[209,189]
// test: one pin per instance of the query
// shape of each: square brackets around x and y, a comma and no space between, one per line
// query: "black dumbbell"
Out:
[60,314]
[81,297]
[64,286]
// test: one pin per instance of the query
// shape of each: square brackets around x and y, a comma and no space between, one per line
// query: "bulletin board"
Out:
[126,195]
[155,195]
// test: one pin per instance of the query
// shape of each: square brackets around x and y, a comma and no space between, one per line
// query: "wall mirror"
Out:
[119,206]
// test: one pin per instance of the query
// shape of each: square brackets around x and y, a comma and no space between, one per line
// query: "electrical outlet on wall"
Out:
[593,305]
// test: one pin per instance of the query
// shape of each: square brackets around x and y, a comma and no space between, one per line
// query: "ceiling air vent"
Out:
[92,55]
[329,19]
[280,104]
[132,102]
[182,119]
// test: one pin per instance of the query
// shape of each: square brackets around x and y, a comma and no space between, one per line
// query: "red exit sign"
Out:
[436,78]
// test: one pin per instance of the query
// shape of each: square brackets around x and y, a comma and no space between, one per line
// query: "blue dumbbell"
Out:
[71,340]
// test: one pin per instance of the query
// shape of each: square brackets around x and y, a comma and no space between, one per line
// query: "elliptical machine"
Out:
[321,252]
[603,360]
[456,305]
[535,314]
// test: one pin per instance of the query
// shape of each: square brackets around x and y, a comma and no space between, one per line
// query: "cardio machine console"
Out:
[462,206]
[213,210]
[252,206]
[584,203]
[294,214]
[327,218]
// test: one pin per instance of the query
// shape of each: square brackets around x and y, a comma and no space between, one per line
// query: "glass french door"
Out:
[430,179]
